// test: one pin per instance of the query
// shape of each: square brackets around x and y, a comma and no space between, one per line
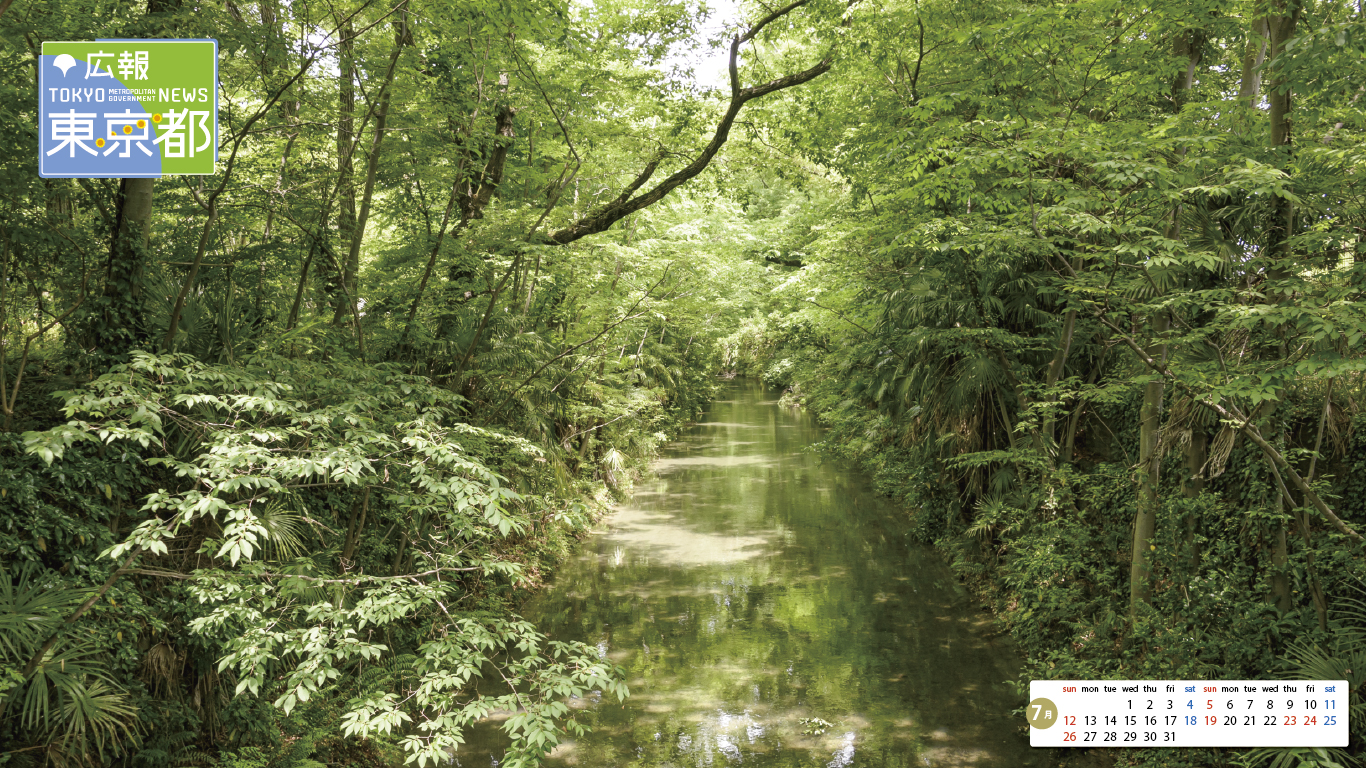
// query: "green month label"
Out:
[128,108]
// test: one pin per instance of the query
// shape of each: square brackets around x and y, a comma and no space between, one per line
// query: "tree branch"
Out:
[611,213]
[764,22]
[627,315]
[1236,419]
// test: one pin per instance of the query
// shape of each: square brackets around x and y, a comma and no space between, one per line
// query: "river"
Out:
[771,610]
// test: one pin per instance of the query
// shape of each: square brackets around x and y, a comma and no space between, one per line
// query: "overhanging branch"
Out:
[624,205]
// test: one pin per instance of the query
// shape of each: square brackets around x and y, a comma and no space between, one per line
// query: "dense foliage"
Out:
[1092,309]
[282,447]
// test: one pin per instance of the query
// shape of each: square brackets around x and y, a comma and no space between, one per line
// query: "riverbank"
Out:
[1055,574]
[380,529]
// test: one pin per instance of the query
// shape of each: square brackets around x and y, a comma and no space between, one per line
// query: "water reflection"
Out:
[770,611]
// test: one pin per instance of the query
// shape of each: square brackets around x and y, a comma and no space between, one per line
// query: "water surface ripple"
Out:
[750,587]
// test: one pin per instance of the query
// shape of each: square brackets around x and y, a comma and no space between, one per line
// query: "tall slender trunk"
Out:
[1280,562]
[432,257]
[1149,476]
[270,25]
[484,321]
[531,284]
[1056,368]
[190,278]
[1279,98]
[270,217]
[360,509]
[1250,85]
[1067,452]
[346,122]
[351,268]
[1282,28]
[1188,44]
[314,244]
[1192,485]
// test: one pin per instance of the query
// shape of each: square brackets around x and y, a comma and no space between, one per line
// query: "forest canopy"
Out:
[285,447]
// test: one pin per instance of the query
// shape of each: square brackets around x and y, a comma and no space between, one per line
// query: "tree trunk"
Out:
[1279,97]
[1197,450]
[1280,562]
[351,268]
[346,215]
[359,511]
[431,258]
[1188,44]
[1282,28]
[1149,475]
[531,285]
[124,324]
[1055,371]
[1250,86]
[484,321]
[1230,413]
[193,274]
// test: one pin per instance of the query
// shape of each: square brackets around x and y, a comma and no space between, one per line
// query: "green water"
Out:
[749,585]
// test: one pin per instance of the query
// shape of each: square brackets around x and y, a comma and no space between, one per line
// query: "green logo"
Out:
[128,108]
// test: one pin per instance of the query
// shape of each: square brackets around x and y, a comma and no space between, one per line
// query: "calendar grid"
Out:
[1187,713]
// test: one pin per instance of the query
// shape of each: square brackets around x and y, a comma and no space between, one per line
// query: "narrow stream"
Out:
[751,586]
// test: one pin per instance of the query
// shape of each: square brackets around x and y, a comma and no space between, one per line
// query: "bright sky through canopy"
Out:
[708,64]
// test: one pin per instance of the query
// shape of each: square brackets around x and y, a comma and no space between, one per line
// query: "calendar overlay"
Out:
[1187,713]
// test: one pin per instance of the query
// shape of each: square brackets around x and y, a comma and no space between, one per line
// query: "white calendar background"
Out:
[1187,713]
